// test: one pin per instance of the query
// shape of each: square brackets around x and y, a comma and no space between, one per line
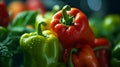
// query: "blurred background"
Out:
[89,7]
[103,17]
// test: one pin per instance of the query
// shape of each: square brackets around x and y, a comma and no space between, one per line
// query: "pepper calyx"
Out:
[66,19]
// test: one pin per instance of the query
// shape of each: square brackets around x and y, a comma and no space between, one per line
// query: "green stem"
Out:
[100,47]
[66,19]
[39,30]
[70,64]
[64,13]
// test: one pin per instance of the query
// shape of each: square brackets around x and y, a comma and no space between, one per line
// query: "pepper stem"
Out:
[100,47]
[70,64]
[39,30]
[66,19]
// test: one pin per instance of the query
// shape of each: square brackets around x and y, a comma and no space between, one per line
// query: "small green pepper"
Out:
[40,49]
[115,56]
[111,23]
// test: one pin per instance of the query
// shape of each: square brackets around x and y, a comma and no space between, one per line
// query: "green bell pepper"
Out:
[115,56]
[111,28]
[111,23]
[40,48]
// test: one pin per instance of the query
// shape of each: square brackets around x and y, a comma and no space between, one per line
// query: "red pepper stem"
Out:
[66,19]
[100,47]
[39,30]
[70,63]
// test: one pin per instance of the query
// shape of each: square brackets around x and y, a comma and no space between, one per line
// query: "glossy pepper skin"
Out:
[40,49]
[4,17]
[115,56]
[83,57]
[102,50]
[71,26]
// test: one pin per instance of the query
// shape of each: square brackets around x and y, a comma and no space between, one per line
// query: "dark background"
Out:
[107,6]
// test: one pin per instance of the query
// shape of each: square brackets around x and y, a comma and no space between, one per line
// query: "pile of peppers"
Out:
[69,29]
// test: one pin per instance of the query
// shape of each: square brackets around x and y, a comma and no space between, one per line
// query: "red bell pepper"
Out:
[83,57]
[71,26]
[4,17]
[102,49]
[35,5]
[67,51]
